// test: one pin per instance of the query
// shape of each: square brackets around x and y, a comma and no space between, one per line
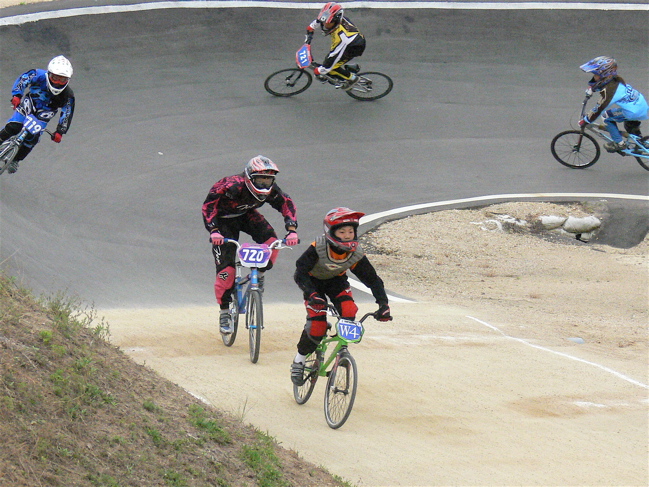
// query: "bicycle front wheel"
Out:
[575,149]
[254,323]
[8,151]
[371,86]
[311,368]
[341,390]
[228,340]
[288,82]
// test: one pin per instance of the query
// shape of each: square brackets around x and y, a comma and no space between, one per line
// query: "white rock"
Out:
[550,222]
[581,225]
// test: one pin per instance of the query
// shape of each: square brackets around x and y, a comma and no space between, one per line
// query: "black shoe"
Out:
[13,167]
[353,68]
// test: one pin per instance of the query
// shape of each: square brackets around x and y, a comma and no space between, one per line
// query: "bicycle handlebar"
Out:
[334,313]
[277,244]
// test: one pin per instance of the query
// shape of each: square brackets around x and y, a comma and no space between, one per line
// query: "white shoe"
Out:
[225,322]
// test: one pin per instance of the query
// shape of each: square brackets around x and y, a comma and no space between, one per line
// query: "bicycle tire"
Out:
[254,323]
[575,149]
[643,161]
[341,390]
[8,151]
[228,340]
[288,82]
[311,368]
[371,86]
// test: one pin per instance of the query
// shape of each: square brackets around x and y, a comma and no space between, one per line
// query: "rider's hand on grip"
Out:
[316,302]
[383,313]
[589,92]
[15,101]
[583,122]
[216,238]
[291,238]
[317,70]
[56,137]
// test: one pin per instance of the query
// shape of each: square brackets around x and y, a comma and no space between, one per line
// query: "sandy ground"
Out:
[480,382]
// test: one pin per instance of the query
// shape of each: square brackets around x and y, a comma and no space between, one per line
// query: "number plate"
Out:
[303,56]
[254,255]
[352,331]
[34,125]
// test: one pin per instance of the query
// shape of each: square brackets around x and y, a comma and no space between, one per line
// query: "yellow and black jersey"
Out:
[347,42]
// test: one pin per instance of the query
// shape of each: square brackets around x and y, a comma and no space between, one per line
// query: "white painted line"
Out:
[409,209]
[406,210]
[361,287]
[565,355]
[73,12]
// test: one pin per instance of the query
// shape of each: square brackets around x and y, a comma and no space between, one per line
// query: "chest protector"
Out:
[328,268]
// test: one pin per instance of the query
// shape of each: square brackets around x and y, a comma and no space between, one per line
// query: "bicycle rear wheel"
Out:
[254,323]
[288,82]
[311,367]
[341,390]
[575,149]
[228,340]
[371,86]
[643,161]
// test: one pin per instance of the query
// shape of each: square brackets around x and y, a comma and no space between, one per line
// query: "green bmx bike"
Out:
[338,366]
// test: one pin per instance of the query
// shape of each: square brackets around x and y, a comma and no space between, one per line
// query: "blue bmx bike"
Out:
[247,293]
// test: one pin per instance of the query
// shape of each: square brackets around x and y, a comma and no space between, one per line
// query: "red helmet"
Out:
[340,217]
[331,13]
[260,166]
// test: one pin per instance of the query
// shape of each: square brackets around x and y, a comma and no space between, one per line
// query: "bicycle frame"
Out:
[634,147]
[342,338]
[257,253]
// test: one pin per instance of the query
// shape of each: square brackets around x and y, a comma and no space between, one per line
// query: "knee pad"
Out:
[316,326]
[345,303]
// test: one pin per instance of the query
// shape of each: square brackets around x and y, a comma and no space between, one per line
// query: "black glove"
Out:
[383,314]
[316,301]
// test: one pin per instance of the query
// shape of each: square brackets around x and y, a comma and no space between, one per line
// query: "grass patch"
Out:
[75,410]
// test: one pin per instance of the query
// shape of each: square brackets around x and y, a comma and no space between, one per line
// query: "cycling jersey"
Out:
[36,81]
[230,198]
[346,43]
[317,266]
[617,92]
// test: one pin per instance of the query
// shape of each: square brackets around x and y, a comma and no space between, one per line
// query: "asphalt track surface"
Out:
[171,100]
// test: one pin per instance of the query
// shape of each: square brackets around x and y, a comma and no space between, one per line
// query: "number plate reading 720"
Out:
[352,331]
[252,255]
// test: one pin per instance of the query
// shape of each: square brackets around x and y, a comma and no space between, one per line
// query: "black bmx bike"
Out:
[370,86]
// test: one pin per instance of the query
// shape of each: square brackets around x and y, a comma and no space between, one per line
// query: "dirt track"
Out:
[444,399]
[479,383]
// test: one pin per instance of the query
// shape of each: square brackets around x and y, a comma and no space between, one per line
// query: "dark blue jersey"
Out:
[34,82]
